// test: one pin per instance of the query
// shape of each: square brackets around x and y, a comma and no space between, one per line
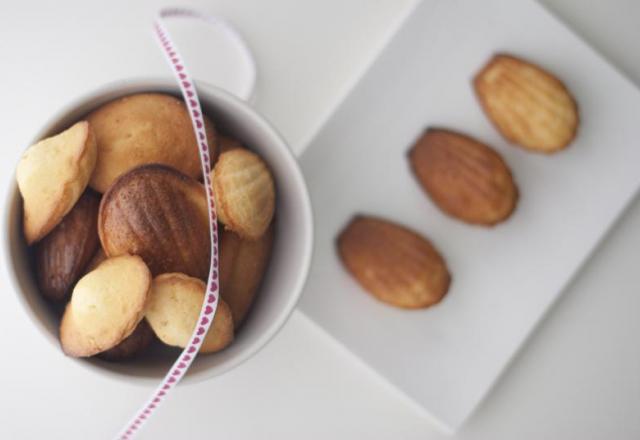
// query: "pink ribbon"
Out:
[210,303]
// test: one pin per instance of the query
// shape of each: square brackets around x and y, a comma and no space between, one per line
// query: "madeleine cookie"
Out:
[173,311]
[160,214]
[529,106]
[106,306]
[62,255]
[242,265]
[394,264]
[52,175]
[465,178]
[244,192]
[141,129]
[132,345]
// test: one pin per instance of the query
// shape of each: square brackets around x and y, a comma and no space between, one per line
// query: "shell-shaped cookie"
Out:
[394,264]
[161,215]
[242,266]
[173,310]
[52,175]
[464,177]
[244,192]
[529,106]
[64,253]
[106,306]
[145,128]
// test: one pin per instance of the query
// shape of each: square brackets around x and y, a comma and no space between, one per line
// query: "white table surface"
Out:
[578,377]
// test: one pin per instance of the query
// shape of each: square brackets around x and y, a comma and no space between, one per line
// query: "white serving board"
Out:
[504,279]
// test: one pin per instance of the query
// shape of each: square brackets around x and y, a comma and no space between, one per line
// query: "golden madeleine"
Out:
[529,106]
[242,266]
[106,306]
[161,215]
[52,175]
[145,128]
[394,264]
[464,177]
[63,254]
[244,192]
[173,310]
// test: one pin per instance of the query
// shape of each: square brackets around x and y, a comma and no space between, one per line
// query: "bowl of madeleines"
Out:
[107,232]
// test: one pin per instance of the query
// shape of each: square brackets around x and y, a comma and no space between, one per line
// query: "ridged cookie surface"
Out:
[394,264]
[160,214]
[464,177]
[244,192]
[65,252]
[529,106]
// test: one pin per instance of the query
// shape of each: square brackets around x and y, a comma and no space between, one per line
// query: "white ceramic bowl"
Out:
[288,267]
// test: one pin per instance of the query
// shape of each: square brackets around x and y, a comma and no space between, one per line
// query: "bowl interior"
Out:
[288,267]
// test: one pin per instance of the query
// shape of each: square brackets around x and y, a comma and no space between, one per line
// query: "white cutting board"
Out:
[504,279]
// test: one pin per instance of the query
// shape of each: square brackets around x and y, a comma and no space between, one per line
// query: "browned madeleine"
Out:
[395,264]
[242,265]
[134,344]
[63,254]
[464,177]
[529,106]
[161,215]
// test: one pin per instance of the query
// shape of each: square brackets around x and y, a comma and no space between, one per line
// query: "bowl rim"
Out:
[127,86]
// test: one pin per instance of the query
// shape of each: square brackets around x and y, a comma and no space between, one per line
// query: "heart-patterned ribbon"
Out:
[210,303]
